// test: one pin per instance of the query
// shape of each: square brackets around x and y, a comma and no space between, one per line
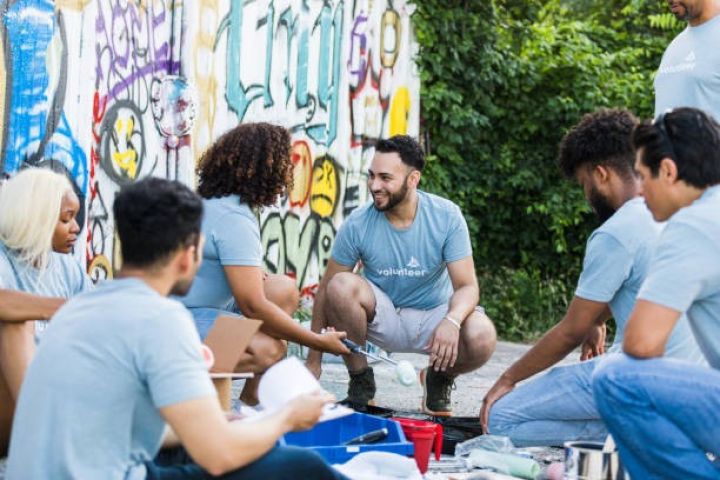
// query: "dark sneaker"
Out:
[361,390]
[437,387]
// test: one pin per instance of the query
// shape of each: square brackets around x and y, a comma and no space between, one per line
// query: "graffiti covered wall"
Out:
[111,91]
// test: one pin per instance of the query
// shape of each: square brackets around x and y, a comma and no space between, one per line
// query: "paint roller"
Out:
[404,371]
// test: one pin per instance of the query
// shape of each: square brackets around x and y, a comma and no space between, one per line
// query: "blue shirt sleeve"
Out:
[79,280]
[345,249]
[237,240]
[457,244]
[171,361]
[681,267]
[8,280]
[606,266]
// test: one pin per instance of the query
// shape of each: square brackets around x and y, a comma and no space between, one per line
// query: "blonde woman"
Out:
[37,228]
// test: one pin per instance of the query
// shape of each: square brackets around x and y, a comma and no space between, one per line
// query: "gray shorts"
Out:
[403,329]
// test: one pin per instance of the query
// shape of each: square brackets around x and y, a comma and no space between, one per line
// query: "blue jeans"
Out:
[280,463]
[664,415]
[551,409]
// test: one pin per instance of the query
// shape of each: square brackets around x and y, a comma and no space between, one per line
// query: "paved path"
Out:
[471,388]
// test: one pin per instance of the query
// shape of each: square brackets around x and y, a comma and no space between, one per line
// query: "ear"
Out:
[186,259]
[601,173]
[668,170]
[414,178]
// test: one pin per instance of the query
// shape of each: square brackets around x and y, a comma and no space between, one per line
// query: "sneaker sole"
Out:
[423,405]
[370,402]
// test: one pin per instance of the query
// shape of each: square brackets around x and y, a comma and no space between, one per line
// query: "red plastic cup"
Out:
[423,435]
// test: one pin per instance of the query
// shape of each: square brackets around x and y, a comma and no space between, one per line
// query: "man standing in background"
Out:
[689,73]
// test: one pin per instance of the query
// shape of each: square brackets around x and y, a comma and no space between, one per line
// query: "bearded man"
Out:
[418,291]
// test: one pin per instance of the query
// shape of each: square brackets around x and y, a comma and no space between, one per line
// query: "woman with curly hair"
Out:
[37,229]
[247,168]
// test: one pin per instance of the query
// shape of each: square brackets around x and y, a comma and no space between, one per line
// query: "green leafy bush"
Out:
[501,83]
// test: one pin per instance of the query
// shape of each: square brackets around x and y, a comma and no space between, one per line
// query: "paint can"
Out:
[588,461]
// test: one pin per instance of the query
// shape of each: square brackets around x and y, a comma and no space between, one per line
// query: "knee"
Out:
[289,294]
[504,415]
[283,292]
[498,422]
[269,351]
[608,381]
[343,286]
[480,336]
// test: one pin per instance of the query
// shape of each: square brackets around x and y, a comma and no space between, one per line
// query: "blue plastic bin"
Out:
[327,438]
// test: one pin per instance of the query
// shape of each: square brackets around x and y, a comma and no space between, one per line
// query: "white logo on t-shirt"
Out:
[688,63]
[412,269]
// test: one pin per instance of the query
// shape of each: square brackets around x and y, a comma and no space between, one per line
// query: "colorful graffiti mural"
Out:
[111,91]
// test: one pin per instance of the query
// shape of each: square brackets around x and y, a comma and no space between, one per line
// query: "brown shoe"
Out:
[361,389]
[437,387]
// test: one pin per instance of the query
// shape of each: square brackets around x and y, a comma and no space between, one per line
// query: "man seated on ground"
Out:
[419,292]
[558,407]
[665,414]
[119,362]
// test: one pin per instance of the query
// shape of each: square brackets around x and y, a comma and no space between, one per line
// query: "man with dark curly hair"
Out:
[247,168]
[663,413]
[419,292]
[559,406]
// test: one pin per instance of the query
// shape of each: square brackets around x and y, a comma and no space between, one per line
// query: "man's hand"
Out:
[594,343]
[330,341]
[501,388]
[443,346]
[305,410]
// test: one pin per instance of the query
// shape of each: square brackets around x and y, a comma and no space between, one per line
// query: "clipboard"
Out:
[228,339]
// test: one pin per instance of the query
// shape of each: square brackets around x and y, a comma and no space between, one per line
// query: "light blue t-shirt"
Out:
[409,265]
[616,263]
[64,277]
[232,237]
[109,360]
[685,272]
[689,73]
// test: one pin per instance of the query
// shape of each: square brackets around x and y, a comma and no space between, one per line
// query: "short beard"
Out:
[602,208]
[181,288]
[685,18]
[394,198]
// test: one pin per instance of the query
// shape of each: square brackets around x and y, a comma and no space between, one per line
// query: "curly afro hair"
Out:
[252,160]
[601,138]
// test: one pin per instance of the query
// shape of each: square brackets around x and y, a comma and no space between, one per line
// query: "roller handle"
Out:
[354,347]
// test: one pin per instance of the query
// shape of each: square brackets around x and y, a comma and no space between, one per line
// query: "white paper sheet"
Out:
[285,381]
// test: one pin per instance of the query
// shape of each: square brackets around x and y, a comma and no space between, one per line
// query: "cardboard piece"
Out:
[228,339]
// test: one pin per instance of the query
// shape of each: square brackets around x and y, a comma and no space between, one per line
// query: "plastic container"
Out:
[327,438]
[423,435]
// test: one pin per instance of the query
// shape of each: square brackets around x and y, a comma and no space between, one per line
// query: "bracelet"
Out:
[453,321]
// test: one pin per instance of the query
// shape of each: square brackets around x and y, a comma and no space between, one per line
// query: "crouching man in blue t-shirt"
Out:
[119,362]
[419,292]
[665,413]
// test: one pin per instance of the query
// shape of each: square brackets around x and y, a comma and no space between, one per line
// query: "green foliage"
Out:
[502,82]
[522,303]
